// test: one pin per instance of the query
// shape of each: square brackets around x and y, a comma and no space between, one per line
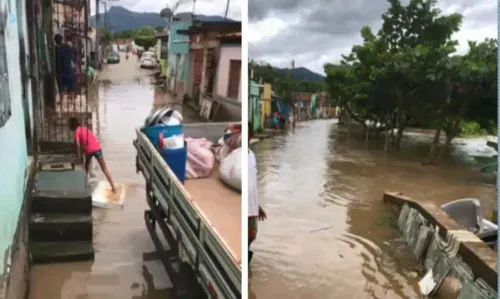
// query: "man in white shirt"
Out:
[255,212]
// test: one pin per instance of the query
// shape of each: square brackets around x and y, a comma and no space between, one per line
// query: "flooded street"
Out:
[126,265]
[328,233]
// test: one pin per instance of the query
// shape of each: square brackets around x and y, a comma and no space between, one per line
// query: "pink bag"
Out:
[200,158]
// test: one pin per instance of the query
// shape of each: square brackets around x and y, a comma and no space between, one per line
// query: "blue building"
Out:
[178,52]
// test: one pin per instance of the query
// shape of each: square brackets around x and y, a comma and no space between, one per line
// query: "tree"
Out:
[106,36]
[472,95]
[125,34]
[146,31]
[393,77]
[145,37]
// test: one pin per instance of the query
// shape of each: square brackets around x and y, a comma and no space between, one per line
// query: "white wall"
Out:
[227,53]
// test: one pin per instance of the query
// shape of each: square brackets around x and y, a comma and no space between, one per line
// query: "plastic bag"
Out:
[230,169]
[173,142]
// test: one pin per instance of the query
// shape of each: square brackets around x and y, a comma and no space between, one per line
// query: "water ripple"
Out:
[328,234]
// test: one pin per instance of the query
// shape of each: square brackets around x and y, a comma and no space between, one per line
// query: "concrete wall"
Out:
[13,149]
[227,53]
[178,44]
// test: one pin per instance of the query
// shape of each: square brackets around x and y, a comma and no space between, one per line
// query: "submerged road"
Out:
[328,233]
[126,265]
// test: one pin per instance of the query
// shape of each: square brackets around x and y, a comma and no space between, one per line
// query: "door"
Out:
[233,87]
[198,66]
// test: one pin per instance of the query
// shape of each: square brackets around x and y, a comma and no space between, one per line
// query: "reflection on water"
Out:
[126,265]
[328,234]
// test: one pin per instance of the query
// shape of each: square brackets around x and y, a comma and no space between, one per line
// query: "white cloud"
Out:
[312,49]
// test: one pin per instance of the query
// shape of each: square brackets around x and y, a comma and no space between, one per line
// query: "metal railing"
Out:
[64,61]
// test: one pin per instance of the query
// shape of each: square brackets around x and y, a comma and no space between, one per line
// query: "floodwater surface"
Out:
[126,264]
[328,233]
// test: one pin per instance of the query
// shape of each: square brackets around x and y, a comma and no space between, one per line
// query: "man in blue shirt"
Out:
[65,67]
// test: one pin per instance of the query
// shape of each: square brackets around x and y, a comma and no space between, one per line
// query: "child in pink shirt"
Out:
[85,140]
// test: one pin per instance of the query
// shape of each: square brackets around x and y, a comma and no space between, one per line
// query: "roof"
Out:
[220,27]
[162,35]
[231,37]
[303,96]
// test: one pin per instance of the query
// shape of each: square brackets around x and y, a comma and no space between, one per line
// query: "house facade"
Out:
[254,105]
[228,81]
[178,51]
[15,127]
[214,82]
[162,53]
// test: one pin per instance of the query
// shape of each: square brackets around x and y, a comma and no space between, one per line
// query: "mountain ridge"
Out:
[301,74]
[119,19]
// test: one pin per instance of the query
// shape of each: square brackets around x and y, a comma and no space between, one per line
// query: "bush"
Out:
[471,128]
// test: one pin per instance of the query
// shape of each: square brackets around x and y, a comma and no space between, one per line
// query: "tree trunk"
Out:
[399,136]
[387,136]
[348,116]
[443,149]
[434,147]
[367,133]
[453,132]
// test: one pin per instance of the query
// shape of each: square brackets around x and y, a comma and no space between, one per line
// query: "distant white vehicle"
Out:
[148,60]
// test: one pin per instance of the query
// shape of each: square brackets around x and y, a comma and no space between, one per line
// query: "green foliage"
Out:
[471,128]
[125,34]
[408,72]
[145,41]
[105,35]
[145,37]
[146,31]
[282,84]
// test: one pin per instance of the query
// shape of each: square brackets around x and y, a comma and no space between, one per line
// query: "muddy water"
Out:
[328,233]
[126,265]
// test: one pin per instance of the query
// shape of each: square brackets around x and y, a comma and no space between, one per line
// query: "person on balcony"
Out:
[65,68]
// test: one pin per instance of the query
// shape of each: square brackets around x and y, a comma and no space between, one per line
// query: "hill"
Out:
[119,19]
[302,74]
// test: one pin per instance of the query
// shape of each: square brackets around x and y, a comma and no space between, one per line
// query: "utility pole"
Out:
[105,15]
[227,9]
[293,93]
[97,55]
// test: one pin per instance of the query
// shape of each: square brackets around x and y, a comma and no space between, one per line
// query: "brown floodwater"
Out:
[328,233]
[126,264]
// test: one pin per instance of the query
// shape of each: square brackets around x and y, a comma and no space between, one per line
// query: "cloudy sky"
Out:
[315,32]
[205,7]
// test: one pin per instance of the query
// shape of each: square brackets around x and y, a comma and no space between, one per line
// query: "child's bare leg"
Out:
[88,159]
[106,172]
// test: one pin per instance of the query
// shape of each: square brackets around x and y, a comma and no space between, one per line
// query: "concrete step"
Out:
[52,205]
[60,227]
[59,252]
[61,192]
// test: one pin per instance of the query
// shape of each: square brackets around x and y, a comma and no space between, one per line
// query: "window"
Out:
[5,108]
